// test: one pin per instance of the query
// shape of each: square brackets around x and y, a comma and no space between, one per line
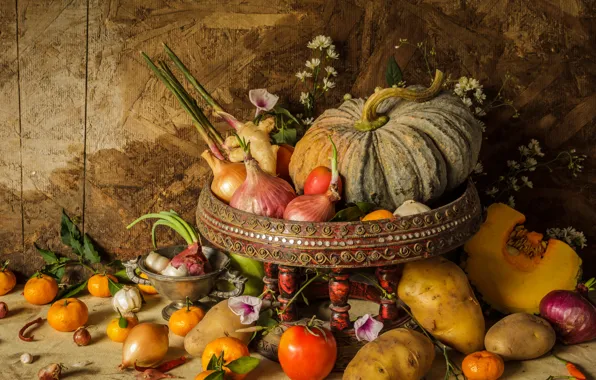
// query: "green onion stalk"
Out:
[172,220]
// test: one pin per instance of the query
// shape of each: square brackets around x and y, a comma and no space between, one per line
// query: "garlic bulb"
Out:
[181,271]
[26,358]
[128,299]
[411,208]
[156,262]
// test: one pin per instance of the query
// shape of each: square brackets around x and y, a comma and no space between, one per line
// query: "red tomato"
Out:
[284,154]
[304,356]
[318,181]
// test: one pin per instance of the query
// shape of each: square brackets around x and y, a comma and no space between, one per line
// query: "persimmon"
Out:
[483,365]
[377,215]
[41,289]
[147,289]
[232,349]
[68,314]
[116,332]
[98,285]
[7,279]
[185,319]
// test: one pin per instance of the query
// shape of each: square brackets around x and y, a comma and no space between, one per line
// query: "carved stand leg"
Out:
[271,282]
[289,283]
[388,278]
[339,291]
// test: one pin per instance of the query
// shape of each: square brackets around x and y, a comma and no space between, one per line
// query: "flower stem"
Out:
[304,286]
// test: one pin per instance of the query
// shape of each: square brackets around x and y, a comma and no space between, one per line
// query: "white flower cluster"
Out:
[314,67]
[528,152]
[569,235]
[471,93]
[305,99]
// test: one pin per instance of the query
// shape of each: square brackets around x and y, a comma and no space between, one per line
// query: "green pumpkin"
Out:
[416,150]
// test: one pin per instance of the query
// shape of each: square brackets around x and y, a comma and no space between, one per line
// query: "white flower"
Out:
[320,42]
[513,183]
[479,111]
[511,201]
[569,235]
[331,71]
[304,98]
[492,191]
[367,328]
[467,101]
[524,151]
[313,63]
[512,164]
[458,90]
[327,84]
[474,84]
[331,53]
[479,95]
[263,100]
[530,164]
[534,146]
[308,121]
[527,182]
[478,169]
[247,307]
[303,74]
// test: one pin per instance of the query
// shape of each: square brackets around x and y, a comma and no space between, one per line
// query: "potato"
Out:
[442,301]
[520,336]
[217,323]
[402,354]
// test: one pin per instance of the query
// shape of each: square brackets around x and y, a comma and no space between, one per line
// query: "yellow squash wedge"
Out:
[512,268]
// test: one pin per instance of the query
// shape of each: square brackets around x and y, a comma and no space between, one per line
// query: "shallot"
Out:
[51,372]
[317,207]
[81,337]
[3,310]
[571,314]
[227,176]
[146,345]
[261,193]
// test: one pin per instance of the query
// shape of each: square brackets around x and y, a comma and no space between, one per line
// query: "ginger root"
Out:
[260,144]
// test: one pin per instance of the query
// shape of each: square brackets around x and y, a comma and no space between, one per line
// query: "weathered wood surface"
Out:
[98,135]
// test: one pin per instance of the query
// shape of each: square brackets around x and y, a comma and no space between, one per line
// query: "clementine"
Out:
[40,289]
[232,349]
[483,365]
[185,319]
[203,375]
[147,289]
[377,215]
[98,285]
[7,279]
[68,314]
[119,334]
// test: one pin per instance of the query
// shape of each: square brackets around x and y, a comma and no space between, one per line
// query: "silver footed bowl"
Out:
[195,288]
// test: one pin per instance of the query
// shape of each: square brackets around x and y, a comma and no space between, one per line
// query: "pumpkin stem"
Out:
[371,121]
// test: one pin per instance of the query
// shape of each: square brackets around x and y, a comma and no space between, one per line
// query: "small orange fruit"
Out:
[232,348]
[147,289]
[185,319]
[119,334]
[40,289]
[98,285]
[203,375]
[7,279]
[378,214]
[483,365]
[68,314]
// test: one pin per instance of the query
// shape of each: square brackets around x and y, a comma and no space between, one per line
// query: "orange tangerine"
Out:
[98,285]
[40,289]
[68,314]
[147,289]
[378,214]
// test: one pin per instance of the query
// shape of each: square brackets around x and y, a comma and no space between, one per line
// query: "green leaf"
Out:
[116,264]
[284,112]
[72,291]
[304,299]
[121,275]
[243,365]
[212,363]
[48,256]
[285,136]
[393,74]
[114,286]
[217,375]
[122,322]
[89,252]
[353,212]
[70,234]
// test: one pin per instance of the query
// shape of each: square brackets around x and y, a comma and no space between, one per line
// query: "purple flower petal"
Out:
[367,328]
[246,307]
[262,99]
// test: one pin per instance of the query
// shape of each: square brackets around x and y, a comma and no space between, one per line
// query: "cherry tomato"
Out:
[318,181]
[284,154]
[307,353]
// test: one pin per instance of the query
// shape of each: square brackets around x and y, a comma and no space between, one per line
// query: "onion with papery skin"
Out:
[261,193]
[571,314]
[3,309]
[227,176]
[146,345]
[316,207]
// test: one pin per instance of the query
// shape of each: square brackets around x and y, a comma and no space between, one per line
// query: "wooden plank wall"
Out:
[85,126]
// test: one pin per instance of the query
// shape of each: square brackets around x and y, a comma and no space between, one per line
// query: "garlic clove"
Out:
[156,262]
[181,271]
[411,207]
[26,358]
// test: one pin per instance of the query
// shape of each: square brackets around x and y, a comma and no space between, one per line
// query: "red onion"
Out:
[317,207]
[571,314]
[261,193]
